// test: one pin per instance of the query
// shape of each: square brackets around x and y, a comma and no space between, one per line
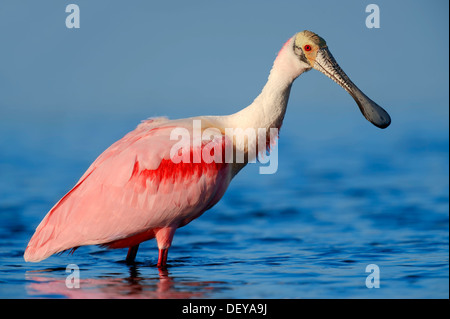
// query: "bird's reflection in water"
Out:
[161,286]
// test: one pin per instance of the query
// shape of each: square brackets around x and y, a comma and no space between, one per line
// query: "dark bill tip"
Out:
[374,113]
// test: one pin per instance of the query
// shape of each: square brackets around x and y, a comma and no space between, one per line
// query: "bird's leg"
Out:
[164,238]
[162,258]
[132,251]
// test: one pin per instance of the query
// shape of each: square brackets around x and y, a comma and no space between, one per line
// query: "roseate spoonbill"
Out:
[135,191]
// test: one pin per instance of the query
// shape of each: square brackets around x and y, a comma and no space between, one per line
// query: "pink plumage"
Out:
[132,192]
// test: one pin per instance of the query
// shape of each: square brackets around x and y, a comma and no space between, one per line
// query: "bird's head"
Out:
[312,50]
[306,45]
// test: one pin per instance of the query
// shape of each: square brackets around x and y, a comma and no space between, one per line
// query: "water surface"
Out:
[345,195]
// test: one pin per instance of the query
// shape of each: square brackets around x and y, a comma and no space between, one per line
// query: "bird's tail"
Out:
[45,241]
[41,246]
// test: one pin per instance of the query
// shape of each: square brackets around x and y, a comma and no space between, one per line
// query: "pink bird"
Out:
[139,189]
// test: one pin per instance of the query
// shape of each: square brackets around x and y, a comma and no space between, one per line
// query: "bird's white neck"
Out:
[268,109]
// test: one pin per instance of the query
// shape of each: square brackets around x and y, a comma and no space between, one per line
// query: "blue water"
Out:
[345,195]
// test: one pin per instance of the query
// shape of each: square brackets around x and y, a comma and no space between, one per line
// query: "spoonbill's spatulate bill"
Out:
[139,189]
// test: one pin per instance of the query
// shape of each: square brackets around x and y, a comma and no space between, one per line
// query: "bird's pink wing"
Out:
[131,188]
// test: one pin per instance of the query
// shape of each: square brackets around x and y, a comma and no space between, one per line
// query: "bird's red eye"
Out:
[307,47]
